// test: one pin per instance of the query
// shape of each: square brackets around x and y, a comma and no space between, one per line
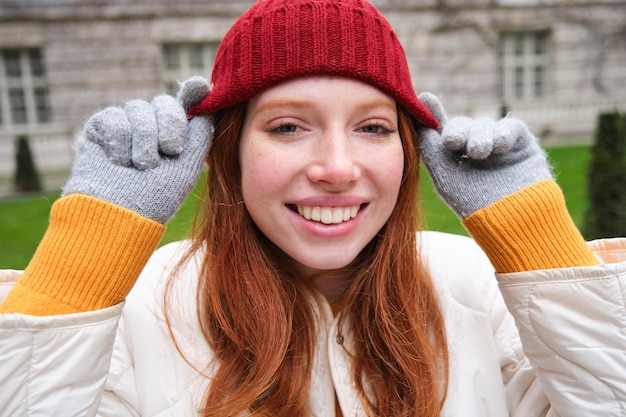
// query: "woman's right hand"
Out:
[145,157]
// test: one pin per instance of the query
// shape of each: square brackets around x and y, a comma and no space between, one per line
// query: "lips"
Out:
[328,215]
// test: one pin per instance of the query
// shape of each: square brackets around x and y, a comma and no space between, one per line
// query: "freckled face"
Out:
[321,164]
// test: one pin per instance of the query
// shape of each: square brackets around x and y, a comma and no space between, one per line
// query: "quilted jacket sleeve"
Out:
[55,365]
[113,362]
[572,324]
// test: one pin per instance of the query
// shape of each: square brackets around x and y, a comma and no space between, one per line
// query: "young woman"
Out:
[307,289]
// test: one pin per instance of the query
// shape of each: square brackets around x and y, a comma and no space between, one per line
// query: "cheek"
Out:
[399,164]
[248,169]
[391,177]
[260,170]
[390,180]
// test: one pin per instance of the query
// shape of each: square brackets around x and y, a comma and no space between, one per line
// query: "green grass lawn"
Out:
[23,220]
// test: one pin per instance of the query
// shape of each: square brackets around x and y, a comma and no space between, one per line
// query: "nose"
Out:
[334,163]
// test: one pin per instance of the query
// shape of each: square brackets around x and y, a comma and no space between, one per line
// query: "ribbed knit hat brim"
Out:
[277,40]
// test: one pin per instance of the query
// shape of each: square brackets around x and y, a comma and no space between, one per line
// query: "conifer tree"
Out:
[606,213]
[26,176]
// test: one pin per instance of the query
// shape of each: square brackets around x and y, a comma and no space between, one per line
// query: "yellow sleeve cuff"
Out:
[88,259]
[530,230]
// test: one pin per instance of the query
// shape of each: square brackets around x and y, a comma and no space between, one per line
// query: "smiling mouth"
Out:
[327,215]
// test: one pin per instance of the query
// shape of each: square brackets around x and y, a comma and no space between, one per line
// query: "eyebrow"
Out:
[303,104]
[389,104]
[283,103]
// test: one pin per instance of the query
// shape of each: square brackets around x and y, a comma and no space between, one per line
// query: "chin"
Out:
[317,266]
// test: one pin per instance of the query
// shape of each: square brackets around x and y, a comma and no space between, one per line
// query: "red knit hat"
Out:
[277,40]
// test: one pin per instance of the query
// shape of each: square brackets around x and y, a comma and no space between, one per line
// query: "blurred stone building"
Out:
[554,63]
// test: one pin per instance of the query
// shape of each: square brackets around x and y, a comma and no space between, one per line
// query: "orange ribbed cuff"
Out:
[89,258]
[530,230]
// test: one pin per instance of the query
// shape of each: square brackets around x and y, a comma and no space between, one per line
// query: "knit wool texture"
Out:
[89,258]
[530,230]
[144,157]
[277,40]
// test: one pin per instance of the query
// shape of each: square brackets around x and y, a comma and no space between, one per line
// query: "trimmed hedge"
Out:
[606,214]
[26,176]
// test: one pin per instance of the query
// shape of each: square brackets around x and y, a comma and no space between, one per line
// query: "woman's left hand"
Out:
[476,162]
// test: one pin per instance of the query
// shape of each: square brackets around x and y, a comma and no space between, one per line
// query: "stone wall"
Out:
[104,53]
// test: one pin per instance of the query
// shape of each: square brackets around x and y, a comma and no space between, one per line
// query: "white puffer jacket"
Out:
[121,361]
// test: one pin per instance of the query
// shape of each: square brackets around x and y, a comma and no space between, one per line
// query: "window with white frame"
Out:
[525,65]
[183,60]
[23,88]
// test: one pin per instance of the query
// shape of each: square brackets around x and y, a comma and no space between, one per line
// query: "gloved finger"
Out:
[90,163]
[171,124]
[435,156]
[143,125]
[434,105]
[455,133]
[198,138]
[480,139]
[111,129]
[192,91]
[510,133]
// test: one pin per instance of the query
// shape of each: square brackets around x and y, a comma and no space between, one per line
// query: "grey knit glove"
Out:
[476,162]
[145,157]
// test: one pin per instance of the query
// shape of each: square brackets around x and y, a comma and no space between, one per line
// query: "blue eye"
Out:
[376,129]
[285,128]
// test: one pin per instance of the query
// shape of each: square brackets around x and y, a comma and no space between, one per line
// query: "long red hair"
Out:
[259,317]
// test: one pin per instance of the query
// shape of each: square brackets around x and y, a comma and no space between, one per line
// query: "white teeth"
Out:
[316,214]
[328,215]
